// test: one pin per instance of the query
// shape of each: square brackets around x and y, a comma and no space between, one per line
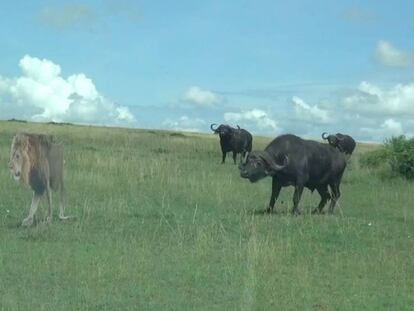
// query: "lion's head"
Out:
[26,153]
[19,158]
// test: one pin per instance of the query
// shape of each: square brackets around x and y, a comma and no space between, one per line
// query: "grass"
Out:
[161,225]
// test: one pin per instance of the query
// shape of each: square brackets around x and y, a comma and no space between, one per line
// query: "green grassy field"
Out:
[162,225]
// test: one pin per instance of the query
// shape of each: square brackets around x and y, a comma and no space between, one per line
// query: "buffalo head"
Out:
[259,164]
[344,143]
[332,139]
[223,130]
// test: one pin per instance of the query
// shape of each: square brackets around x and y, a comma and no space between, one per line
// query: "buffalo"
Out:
[233,140]
[344,143]
[293,161]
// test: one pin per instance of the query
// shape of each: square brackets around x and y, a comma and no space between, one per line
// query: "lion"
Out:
[36,160]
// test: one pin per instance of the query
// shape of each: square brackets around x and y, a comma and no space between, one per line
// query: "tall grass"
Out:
[161,225]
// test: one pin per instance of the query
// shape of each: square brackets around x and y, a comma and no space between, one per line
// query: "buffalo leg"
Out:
[325,196]
[336,193]
[223,158]
[275,194]
[234,157]
[296,198]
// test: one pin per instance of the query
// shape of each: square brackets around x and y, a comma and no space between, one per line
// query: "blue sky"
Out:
[272,67]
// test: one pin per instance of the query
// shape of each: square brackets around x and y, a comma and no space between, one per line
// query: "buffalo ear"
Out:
[334,139]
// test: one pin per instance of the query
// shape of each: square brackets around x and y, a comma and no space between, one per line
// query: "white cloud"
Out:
[370,99]
[124,114]
[200,97]
[39,69]
[388,55]
[185,124]
[256,117]
[310,113]
[392,126]
[377,112]
[388,128]
[42,94]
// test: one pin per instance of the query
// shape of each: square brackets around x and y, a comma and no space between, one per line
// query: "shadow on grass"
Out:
[306,211]
[38,222]
[152,216]
[397,219]
[14,224]
[180,135]
[41,233]
[264,212]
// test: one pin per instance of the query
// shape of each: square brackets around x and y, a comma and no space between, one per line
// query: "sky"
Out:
[271,67]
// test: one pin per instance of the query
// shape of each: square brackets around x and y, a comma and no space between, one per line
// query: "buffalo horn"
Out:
[245,157]
[272,164]
[324,135]
[211,126]
[278,167]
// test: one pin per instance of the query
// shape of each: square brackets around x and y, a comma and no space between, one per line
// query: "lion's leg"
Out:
[49,203]
[62,205]
[28,221]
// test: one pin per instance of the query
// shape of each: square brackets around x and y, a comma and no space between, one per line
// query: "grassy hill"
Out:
[162,225]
